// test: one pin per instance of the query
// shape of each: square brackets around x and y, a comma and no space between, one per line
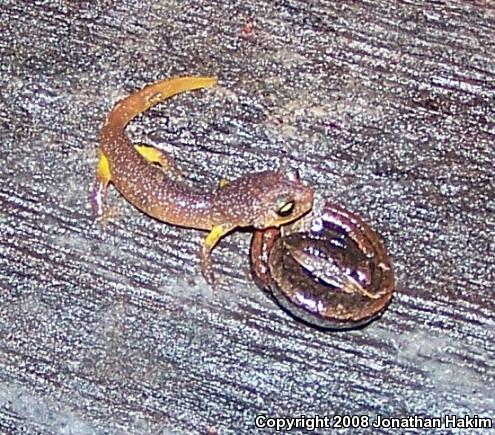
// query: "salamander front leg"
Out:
[205,254]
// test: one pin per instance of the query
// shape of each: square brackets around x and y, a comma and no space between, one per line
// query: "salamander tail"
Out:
[150,95]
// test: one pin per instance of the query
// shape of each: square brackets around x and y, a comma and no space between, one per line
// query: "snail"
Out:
[329,269]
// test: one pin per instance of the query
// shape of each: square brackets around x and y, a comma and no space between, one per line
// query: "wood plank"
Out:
[386,107]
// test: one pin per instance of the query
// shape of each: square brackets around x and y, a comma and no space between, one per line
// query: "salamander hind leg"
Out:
[159,157]
[223,182]
[205,254]
[100,188]
[99,194]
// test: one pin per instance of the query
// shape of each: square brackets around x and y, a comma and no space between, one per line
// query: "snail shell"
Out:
[329,269]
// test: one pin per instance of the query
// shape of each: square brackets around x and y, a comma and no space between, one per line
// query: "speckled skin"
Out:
[252,200]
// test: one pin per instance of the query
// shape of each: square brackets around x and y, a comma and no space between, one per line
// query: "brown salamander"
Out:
[260,200]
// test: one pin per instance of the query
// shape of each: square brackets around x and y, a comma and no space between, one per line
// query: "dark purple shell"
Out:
[330,270]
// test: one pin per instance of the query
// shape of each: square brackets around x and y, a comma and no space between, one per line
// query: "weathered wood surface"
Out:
[386,107]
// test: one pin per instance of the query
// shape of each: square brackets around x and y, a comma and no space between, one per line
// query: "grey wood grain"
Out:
[386,107]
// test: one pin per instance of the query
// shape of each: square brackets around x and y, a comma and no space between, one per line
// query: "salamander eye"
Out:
[284,206]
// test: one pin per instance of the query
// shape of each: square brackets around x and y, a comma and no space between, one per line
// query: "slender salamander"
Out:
[144,176]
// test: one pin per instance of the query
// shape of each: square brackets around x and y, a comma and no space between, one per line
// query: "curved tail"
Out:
[150,95]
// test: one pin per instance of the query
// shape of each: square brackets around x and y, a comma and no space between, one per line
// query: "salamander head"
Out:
[286,200]
[269,199]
